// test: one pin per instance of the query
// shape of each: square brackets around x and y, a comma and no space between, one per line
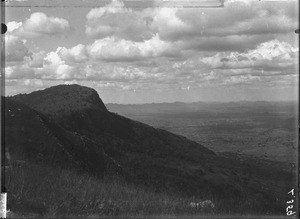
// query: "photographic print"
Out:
[149,109]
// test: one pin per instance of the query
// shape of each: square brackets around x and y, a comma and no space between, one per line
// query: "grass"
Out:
[40,191]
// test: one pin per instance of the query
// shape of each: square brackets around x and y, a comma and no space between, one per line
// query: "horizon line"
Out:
[207,102]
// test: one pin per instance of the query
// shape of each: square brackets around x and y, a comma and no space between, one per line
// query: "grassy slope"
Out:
[35,190]
[40,191]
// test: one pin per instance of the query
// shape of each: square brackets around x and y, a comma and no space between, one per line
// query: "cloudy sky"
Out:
[246,50]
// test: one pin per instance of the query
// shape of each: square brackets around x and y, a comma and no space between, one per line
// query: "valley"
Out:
[265,130]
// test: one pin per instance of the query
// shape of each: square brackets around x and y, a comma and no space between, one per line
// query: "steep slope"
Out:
[31,136]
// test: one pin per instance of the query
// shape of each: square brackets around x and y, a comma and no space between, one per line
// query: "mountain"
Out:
[69,127]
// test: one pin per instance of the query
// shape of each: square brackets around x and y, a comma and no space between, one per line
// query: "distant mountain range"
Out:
[69,127]
[200,107]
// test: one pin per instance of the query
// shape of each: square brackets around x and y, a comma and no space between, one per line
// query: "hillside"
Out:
[32,136]
[67,127]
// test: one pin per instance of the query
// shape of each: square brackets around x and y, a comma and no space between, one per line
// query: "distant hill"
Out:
[69,127]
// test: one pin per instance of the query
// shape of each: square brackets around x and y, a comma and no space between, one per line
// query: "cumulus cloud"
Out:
[15,49]
[33,83]
[39,24]
[40,65]
[240,79]
[36,59]
[112,49]
[116,73]
[238,43]
[19,72]
[75,54]
[115,19]
[56,68]
[160,48]
[237,21]
[242,19]
[169,25]
[269,56]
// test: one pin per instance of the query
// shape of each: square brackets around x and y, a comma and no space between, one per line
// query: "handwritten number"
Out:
[289,213]
[292,191]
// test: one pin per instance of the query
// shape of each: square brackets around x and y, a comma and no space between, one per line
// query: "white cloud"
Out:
[116,73]
[44,66]
[161,48]
[269,56]
[242,19]
[167,23]
[19,72]
[54,68]
[76,54]
[33,83]
[115,19]
[238,43]
[274,50]
[114,7]
[36,59]
[39,24]
[15,49]
[240,79]
[202,29]
[113,49]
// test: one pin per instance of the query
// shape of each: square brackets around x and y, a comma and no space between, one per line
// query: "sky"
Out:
[245,50]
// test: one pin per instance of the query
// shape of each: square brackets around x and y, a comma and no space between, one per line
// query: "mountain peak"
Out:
[63,99]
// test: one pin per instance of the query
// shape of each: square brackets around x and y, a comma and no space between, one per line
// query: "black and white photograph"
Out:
[149,109]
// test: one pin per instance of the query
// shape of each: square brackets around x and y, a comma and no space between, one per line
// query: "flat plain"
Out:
[265,130]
